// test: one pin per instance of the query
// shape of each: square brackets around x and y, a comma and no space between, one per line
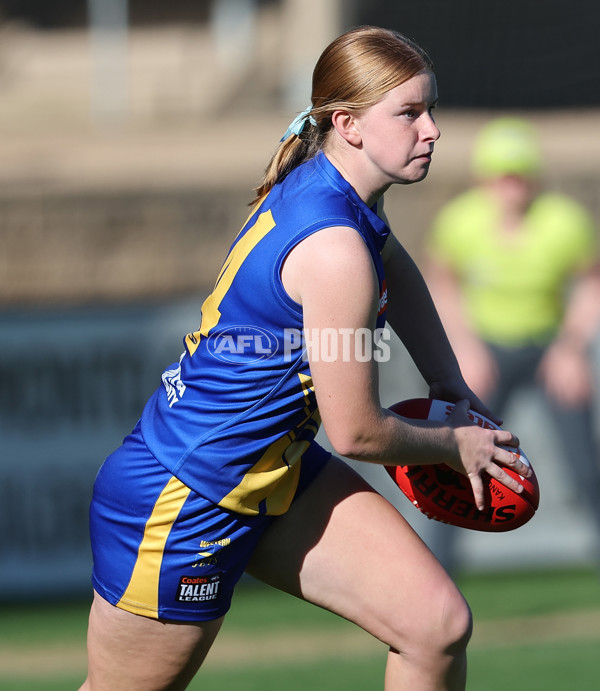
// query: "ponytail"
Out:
[297,146]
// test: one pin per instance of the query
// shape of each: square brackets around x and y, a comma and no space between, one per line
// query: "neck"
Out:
[349,169]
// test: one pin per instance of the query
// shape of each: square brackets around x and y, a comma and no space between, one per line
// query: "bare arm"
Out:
[331,274]
[582,315]
[565,369]
[414,317]
[476,362]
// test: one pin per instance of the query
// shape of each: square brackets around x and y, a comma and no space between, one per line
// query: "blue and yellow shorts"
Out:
[160,549]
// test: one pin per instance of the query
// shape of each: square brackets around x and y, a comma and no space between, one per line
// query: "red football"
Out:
[445,495]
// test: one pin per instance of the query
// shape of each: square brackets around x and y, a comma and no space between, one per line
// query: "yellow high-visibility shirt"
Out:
[514,284]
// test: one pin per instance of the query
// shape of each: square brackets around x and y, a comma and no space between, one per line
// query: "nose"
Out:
[430,131]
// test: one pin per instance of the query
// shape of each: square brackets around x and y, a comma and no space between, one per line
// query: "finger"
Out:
[462,406]
[498,473]
[515,462]
[477,487]
[506,438]
[460,411]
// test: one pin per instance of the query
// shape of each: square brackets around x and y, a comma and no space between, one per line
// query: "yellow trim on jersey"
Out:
[237,256]
[272,481]
[141,596]
[307,388]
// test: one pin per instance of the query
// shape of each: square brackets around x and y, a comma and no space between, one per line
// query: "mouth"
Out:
[425,157]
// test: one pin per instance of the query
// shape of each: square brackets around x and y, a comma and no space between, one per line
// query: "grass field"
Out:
[533,630]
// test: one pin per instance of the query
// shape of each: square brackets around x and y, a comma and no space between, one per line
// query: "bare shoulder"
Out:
[336,256]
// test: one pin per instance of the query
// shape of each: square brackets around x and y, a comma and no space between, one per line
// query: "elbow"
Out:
[359,432]
[352,444]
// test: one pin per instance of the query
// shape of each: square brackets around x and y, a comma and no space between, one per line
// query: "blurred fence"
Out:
[73,383]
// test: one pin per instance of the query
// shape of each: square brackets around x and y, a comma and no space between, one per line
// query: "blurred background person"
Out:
[514,272]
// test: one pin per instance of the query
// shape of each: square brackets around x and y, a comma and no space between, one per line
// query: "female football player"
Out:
[222,474]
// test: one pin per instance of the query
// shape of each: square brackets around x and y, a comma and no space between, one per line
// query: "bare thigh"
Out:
[344,547]
[127,651]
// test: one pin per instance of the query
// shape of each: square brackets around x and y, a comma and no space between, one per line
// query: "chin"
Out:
[415,173]
[417,177]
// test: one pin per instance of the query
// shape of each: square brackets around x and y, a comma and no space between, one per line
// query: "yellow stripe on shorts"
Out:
[141,596]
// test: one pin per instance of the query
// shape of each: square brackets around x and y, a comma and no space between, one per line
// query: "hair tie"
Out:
[298,124]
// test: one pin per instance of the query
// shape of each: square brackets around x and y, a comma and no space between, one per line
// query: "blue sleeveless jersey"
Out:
[235,416]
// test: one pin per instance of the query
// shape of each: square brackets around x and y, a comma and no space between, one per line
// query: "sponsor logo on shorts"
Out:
[198,588]
[208,556]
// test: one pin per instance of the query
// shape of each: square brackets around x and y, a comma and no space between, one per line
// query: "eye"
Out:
[410,113]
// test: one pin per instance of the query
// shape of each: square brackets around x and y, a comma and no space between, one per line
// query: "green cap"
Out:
[506,146]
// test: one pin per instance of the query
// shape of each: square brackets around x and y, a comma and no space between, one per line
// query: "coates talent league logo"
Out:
[239,344]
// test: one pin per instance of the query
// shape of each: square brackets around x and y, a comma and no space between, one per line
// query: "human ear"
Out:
[346,126]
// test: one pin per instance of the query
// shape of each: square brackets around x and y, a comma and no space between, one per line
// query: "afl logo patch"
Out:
[242,344]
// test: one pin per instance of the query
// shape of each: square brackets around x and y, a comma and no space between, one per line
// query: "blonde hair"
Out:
[353,73]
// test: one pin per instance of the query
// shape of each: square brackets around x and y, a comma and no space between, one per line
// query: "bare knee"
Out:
[457,623]
[432,654]
[449,626]
[440,629]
